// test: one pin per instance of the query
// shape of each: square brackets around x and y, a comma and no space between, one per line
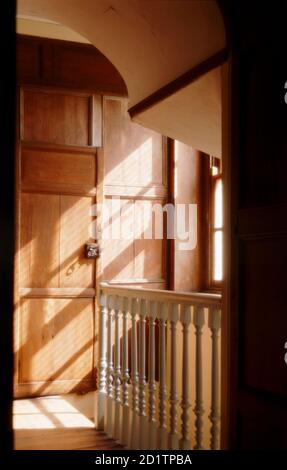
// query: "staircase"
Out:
[159,368]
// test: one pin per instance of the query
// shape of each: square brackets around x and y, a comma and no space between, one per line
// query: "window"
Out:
[216,223]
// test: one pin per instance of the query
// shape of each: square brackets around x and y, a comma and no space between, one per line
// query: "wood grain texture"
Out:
[137,254]
[56,337]
[149,253]
[258,269]
[60,293]
[188,264]
[42,61]
[58,171]
[39,240]
[55,117]
[57,423]
[75,230]
[134,155]
[55,315]
[28,60]
[135,172]
[63,439]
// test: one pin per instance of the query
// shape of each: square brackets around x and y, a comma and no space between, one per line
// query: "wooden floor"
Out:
[49,423]
[62,439]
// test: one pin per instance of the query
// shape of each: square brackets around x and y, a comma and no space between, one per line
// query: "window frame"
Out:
[213,284]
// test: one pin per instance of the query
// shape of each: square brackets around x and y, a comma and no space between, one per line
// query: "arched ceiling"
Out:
[47,29]
[151,42]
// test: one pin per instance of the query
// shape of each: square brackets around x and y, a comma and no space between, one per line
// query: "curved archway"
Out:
[150,43]
[154,44]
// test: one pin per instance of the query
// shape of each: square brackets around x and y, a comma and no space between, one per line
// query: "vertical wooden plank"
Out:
[75,221]
[16,316]
[96,121]
[39,238]
[46,58]
[21,116]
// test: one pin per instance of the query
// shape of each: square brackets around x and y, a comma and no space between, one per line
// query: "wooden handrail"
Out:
[159,295]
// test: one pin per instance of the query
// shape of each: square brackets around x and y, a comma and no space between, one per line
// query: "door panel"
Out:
[56,338]
[57,171]
[75,227]
[39,240]
[55,117]
[263,345]
[259,231]
[55,292]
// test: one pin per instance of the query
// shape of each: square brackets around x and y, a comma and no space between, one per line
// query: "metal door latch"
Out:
[92,250]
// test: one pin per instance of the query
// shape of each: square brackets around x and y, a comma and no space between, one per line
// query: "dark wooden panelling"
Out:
[55,118]
[260,420]
[258,305]
[263,313]
[28,60]
[263,162]
[7,190]
[262,219]
[42,61]
[98,72]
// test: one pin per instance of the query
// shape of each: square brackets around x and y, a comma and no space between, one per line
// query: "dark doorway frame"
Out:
[7,164]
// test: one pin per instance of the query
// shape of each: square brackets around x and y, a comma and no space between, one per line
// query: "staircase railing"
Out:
[159,368]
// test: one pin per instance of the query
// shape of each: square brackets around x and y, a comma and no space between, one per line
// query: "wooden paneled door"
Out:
[258,369]
[55,283]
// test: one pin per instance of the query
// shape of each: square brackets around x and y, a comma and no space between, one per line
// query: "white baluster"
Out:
[162,376]
[173,399]
[125,373]
[117,370]
[110,369]
[134,379]
[152,311]
[142,375]
[214,325]
[198,321]
[102,368]
[185,318]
